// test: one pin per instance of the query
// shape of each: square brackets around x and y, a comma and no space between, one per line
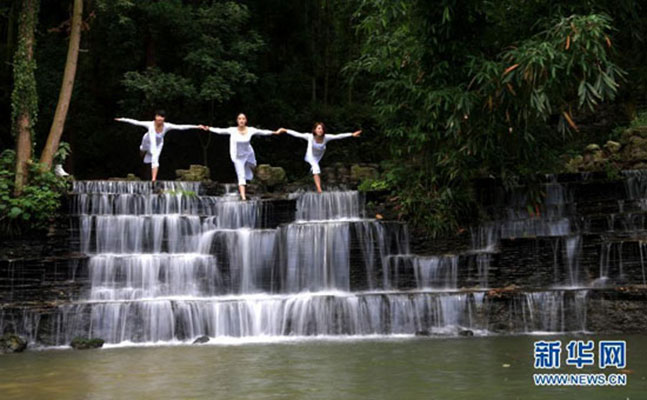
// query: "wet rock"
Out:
[270,176]
[465,332]
[10,343]
[201,339]
[79,343]
[195,173]
[423,333]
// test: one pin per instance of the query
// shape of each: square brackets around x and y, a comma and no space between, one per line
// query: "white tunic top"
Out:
[239,145]
[315,151]
[153,148]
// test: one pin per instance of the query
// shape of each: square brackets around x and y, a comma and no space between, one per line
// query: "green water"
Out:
[426,368]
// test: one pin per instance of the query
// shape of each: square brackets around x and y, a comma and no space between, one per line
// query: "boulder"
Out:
[592,148]
[575,164]
[195,173]
[612,147]
[10,343]
[633,152]
[270,176]
[80,343]
[360,172]
[201,339]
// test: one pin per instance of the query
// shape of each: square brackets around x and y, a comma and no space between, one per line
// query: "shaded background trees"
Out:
[201,61]
[445,91]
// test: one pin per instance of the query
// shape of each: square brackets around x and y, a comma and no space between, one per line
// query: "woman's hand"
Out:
[280,131]
[203,127]
[357,133]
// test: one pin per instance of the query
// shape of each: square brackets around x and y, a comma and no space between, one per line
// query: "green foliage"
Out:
[455,106]
[62,153]
[640,120]
[216,51]
[24,97]
[36,207]
[369,185]
[180,192]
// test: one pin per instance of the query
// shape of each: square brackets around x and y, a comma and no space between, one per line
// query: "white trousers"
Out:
[244,170]
[314,167]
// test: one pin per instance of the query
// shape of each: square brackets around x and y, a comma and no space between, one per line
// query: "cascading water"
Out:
[168,264]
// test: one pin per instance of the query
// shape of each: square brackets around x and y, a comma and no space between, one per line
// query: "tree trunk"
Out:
[24,100]
[65,95]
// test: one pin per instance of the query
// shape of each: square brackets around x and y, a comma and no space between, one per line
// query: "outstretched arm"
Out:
[298,134]
[133,121]
[343,135]
[262,132]
[220,131]
[181,127]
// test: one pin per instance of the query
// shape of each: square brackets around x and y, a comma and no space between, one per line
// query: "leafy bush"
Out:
[369,185]
[38,204]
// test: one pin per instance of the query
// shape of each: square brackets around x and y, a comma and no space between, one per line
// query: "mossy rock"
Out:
[270,176]
[360,173]
[195,173]
[80,343]
[11,343]
[612,147]
[633,153]
[592,148]
[575,164]
[640,131]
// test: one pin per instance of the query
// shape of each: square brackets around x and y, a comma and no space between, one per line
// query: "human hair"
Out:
[161,113]
[314,127]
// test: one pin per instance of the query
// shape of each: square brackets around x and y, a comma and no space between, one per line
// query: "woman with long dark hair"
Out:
[241,150]
[317,146]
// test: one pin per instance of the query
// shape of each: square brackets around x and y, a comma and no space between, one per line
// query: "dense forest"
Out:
[445,91]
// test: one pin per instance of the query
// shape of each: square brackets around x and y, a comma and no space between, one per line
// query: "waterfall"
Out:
[167,263]
[329,205]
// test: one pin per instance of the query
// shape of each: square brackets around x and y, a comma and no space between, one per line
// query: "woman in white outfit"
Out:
[317,146]
[157,129]
[240,149]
